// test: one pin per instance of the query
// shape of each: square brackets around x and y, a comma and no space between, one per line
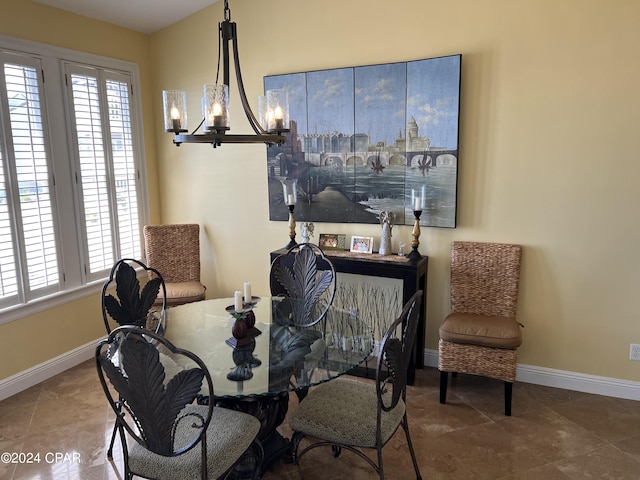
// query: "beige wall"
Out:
[30,341]
[550,110]
[550,106]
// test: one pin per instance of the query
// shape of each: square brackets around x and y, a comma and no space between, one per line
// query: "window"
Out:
[72,189]
[108,171]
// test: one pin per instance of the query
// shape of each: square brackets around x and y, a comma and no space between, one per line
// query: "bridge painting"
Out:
[374,156]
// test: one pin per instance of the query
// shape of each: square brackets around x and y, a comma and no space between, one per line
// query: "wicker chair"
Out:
[356,415]
[174,250]
[480,336]
[163,432]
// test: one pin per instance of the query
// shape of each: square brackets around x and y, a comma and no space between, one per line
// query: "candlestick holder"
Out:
[243,330]
[292,228]
[415,254]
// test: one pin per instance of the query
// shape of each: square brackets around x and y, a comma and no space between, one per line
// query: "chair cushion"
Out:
[184,292]
[344,411]
[497,332]
[229,435]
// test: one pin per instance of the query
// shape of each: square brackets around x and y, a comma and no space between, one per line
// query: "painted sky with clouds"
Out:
[378,100]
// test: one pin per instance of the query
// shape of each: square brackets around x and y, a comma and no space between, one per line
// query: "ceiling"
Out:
[145,16]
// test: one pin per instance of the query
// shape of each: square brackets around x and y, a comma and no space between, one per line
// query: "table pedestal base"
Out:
[271,411]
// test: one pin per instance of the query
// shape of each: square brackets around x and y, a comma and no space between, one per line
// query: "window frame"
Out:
[75,281]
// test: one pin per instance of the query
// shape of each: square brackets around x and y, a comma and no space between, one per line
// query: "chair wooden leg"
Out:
[508,393]
[444,379]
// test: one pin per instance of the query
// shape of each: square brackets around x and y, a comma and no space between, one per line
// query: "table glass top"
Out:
[279,358]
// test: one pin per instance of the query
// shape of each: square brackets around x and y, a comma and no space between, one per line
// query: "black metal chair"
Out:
[173,437]
[124,303]
[354,415]
[132,305]
[307,280]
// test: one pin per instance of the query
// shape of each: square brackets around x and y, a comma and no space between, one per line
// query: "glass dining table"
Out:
[255,368]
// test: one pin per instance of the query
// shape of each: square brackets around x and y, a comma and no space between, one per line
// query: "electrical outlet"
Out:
[634,352]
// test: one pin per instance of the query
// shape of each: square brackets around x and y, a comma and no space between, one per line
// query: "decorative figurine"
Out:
[386,220]
[306,229]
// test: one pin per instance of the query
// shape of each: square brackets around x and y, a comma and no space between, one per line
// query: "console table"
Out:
[413,274]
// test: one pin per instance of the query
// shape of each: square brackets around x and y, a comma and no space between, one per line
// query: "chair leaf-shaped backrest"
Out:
[153,404]
[131,305]
[395,354]
[308,282]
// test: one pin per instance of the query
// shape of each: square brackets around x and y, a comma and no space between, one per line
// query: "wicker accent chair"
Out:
[174,250]
[164,433]
[480,336]
[357,415]
[307,280]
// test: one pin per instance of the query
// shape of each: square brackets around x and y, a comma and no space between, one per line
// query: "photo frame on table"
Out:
[361,244]
[332,241]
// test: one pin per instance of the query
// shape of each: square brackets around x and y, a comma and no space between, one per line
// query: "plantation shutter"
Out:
[27,227]
[108,177]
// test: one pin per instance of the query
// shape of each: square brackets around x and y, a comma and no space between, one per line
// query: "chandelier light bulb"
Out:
[175,110]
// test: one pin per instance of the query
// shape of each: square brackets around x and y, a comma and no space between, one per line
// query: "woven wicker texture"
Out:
[490,362]
[485,278]
[174,250]
[484,281]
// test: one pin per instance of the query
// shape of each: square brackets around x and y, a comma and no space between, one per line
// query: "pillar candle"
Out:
[290,200]
[417,207]
[237,297]
[247,292]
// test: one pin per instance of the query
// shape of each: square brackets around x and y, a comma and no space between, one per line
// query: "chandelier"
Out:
[273,108]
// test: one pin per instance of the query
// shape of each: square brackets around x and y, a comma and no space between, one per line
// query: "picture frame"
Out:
[332,241]
[361,244]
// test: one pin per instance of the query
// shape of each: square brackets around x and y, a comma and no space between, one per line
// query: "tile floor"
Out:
[553,434]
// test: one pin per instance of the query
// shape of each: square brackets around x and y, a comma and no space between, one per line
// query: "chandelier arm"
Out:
[227,33]
[217,139]
[198,127]
[253,121]
[220,41]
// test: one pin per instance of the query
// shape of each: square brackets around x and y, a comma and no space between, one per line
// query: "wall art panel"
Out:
[369,139]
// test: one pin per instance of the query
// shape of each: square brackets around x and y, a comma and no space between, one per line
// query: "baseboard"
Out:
[611,387]
[579,382]
[34,375]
